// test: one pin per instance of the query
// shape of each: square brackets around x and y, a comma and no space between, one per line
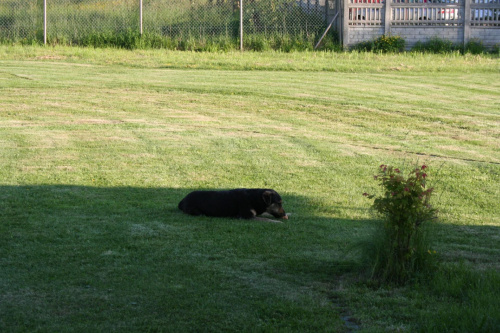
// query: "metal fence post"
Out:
[140,16]
[44,22]
[241,25]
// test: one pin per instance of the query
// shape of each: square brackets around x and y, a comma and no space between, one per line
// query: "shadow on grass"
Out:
[94,258]
[125,258]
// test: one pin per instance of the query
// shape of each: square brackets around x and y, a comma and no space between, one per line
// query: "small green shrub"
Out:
[383,44]
[387,44]
[401,248]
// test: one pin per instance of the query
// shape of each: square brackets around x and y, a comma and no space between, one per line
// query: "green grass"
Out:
[343,62]
[97,147]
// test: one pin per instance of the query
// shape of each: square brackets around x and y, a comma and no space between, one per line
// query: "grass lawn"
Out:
[97,147]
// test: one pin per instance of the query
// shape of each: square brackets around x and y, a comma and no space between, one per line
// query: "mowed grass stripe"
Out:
[116,107]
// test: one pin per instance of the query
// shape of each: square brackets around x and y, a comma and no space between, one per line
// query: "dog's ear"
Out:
[267,196]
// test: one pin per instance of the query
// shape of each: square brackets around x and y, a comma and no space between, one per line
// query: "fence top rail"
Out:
[428,2]
[365,5]
[426,5]
[417,5]
[428,22]
[485,5]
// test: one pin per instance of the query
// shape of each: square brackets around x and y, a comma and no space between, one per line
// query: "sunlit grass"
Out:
[348,62]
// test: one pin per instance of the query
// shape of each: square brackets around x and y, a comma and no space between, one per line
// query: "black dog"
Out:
[239,203]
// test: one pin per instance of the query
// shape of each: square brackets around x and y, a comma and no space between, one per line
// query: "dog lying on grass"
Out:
[239,203]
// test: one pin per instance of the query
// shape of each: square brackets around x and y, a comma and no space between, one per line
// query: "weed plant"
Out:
[402,248]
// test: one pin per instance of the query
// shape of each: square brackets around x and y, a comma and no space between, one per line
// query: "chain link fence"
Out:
[77,21]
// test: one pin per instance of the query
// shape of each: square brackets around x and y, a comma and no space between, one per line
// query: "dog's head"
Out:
[274,204]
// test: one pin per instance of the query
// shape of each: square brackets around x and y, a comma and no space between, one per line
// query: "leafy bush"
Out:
[384,44]
[402,247]
[389,44]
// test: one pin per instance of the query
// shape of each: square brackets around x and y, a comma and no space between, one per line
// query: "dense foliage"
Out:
[405,207]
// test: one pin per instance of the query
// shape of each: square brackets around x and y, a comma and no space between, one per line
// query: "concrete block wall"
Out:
[412,35]
[403,21]
[489,36]
[363,34]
